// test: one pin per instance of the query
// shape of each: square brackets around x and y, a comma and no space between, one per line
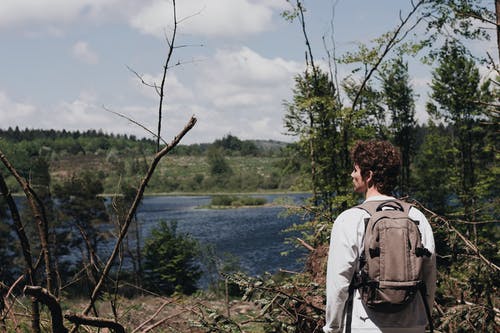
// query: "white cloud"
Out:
[173,87]
[83,52]
[12,112]
[243,78]
[241,92]
[16,13]
[207,18]
[234,91]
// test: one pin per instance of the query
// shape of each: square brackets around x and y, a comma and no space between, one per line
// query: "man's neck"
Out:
[371,192]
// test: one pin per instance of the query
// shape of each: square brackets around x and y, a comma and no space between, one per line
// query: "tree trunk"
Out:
[497,9]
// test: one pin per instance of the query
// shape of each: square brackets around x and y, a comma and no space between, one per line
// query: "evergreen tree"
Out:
[218,163]
[399,98]
[315,117]
[456,88]
[170,261]
[432,163]
[8,250]
[81,210]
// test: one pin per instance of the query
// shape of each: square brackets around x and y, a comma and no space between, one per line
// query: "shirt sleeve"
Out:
[342,260]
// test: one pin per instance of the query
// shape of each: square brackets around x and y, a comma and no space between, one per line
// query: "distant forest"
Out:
[227,164]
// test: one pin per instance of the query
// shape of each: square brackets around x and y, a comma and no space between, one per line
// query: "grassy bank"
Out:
[185,175]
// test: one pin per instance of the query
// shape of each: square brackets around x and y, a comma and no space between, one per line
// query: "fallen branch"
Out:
[8,307]
[95,322]
[45,297]
[153,316]
[304,244]
[149,328]
[468,243]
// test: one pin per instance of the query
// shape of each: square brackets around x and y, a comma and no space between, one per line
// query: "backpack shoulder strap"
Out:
[373,206]
[369,206]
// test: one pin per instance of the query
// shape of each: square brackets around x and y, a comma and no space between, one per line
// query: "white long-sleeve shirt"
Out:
[345,249]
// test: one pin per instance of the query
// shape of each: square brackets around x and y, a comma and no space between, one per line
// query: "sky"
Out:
[67,64]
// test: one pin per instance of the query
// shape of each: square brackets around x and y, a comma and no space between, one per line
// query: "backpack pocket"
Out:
[395,250]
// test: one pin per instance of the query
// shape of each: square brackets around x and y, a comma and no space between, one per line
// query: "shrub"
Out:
[232,200]
[171,261]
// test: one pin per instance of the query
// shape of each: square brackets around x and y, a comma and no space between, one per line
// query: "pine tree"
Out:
[456,88]
[399,98]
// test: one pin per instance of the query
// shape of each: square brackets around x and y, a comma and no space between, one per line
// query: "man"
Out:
[376,167]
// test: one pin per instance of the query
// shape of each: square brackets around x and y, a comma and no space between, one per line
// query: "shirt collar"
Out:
[380,198]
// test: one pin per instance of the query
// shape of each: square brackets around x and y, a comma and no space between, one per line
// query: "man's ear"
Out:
[369,179]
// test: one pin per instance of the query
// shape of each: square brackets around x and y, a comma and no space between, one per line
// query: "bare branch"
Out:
[136,123]
[41,221]
[141,78]
[388,46]
[191,16]
[165,67]
[18,228]
[158,323]
[304,244]
[95,322]
[133,209]
[468,243]
[44,296]
[304,31]
[153,316]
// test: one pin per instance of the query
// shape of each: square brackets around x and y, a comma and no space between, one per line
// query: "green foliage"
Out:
[433,162]
[8,249]
[456,88]
[399,98]
[216,266]
[170,261]
[457,19]
[287,306]
[232,145]
[80,210]
[245,165]
[219,167]
[236,201]
[319,122]
[369,121]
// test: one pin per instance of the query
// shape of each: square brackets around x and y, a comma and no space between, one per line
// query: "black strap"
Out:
[349,304]
[423,292]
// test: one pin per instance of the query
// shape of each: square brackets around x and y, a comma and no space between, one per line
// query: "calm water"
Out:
[254,235]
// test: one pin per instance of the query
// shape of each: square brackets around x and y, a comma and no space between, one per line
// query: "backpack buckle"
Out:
[422,251]
[374,252]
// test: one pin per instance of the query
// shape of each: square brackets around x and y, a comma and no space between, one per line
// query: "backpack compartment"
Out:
[391,266]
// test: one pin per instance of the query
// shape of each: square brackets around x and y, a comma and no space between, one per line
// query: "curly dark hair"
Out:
[380,157]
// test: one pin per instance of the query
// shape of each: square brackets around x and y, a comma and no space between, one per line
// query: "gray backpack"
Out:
[390,263]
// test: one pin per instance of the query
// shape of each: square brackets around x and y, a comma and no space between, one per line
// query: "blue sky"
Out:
[63,62]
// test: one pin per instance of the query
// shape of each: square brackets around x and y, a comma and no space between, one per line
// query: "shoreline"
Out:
[202,194]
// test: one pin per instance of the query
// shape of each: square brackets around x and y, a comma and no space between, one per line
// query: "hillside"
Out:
[226,165]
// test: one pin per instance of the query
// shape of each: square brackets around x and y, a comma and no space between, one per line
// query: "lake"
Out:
[254,235]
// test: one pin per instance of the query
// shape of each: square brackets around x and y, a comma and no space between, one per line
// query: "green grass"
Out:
[179,174]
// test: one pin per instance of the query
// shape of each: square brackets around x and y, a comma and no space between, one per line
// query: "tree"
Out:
[315,117]
[120,205]
[399,98]
[8,253]
[456,88]
[170,260]
[218,163]
[431,163]
[81,210]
